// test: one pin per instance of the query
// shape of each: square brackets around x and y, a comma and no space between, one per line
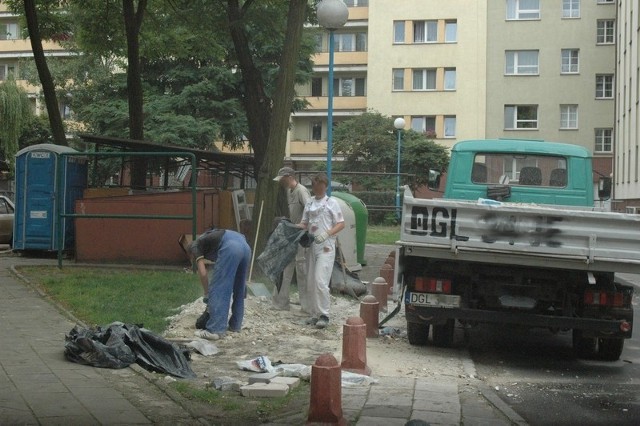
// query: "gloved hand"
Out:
[321,238]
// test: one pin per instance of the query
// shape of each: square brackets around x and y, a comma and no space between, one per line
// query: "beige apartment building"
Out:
[462,69]
[14,48]
[627,124]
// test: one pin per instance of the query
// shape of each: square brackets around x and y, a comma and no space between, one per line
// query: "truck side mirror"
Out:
[604,188]
[433,182]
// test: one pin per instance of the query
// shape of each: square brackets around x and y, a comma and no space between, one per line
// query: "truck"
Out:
[519,239]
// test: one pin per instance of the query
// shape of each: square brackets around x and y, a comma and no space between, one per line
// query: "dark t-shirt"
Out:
[207,244]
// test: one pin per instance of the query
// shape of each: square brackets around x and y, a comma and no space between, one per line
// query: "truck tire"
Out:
[418,333]
[610,349]
[443,334]
[584,347]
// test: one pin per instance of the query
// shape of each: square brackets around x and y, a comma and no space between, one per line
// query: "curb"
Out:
[500,405]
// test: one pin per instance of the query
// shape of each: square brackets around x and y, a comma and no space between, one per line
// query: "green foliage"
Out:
[35,132]
[15,114]
[369,144]
[378,204]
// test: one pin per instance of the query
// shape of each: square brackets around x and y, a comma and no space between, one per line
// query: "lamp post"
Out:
[399,125]
[332,14]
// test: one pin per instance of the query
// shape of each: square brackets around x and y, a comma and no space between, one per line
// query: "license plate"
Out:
[430,299]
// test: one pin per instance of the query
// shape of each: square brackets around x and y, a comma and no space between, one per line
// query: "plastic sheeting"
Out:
[120,345]
[280,250]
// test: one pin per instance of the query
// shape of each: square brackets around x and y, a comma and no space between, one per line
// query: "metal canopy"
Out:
[238,165]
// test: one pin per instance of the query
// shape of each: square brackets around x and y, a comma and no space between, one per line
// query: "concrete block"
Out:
[292,382]
[265,390]
[226,384]
[262,377]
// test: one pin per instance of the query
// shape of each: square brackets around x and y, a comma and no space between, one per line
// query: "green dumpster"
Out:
[362,221]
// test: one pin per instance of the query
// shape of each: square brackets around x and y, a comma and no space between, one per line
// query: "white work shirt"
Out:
[322,215]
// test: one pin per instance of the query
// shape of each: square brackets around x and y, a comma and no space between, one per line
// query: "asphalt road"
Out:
[536,374]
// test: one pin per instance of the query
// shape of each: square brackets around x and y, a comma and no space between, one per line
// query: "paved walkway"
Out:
[39,386]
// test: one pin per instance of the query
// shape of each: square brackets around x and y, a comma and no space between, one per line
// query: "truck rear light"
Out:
[602,298]
[433,285]
[625,326]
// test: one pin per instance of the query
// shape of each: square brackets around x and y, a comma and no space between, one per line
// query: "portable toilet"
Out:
[34,224]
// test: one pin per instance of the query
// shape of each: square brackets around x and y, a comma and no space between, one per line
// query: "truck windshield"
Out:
[519,169]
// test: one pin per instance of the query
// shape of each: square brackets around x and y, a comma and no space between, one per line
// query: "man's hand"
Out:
[321,238]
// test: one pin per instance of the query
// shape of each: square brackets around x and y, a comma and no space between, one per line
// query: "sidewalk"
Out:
[39,386]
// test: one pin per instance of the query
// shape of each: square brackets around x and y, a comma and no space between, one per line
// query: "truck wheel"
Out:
[443,333]
[610,349]
[418,333]
[584,347]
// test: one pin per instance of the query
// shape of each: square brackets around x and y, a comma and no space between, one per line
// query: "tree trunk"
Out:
[132,24]
[48,87]
[268,122]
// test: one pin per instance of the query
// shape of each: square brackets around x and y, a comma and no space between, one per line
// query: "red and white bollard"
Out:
[369,311]
[325,405]
[380,292]
[354,346]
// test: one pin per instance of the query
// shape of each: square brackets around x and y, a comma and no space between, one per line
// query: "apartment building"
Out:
[458,70]
[14,48]
[627,128]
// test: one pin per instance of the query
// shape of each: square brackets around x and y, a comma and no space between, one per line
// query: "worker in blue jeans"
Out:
[231,256]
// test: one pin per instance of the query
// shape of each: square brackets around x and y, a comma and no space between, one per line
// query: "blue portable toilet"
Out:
[34,224]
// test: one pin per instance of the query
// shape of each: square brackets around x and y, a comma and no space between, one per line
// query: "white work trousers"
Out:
[320,268]
[281,298]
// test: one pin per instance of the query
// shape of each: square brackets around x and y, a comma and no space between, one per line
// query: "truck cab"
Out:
[520,171]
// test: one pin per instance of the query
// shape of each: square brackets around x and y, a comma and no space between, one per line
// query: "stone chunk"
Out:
[292,382]
[225,384]
[265,390]
[262,377]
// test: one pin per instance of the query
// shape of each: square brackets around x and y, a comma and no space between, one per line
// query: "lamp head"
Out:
[332,14]
[399,123]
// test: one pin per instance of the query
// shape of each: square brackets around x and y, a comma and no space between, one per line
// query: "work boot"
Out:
[322,322]
[312,321]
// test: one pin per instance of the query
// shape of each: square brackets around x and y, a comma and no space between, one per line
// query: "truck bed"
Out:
[521,234]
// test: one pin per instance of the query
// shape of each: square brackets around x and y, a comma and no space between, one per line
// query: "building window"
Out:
[606,31]
[316,131]
[604,140]
[398,79]
[449,126]
[570,8]
[604,86]
[424,79]
[569,117]
[350,42]
[606,1]
[449,79]
[356,3]
[523,9]
[9,31]
[521,62]
[398,31]
[316,86]
[349,86]
[450,31]
[520,117]
[424,124]
[569,61]
[7,70]
[425,31]
[318,42]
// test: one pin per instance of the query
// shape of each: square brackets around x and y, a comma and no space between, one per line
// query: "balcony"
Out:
[339,102]
[341,58]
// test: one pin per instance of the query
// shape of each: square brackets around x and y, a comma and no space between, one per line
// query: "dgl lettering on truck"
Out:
[441,223]
[516,239]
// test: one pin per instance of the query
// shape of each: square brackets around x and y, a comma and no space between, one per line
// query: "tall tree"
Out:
[48,86]
[132,22]
[15,114]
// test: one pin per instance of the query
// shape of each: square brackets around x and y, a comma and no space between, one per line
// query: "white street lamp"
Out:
[399,125]
[332,14]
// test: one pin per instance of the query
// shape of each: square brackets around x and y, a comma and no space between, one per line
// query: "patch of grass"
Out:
[100,296]
[383,234]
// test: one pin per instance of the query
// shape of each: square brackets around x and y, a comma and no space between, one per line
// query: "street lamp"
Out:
[332,14]
[399,125]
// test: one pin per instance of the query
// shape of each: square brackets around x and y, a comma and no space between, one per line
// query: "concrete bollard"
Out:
[326,392]
[386,272]
[369,311]
[379,290]
[354,346]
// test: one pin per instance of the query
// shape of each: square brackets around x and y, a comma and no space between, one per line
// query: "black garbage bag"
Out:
[120,345]
[280,250]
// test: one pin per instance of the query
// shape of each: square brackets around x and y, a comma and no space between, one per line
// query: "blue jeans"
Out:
[228,279]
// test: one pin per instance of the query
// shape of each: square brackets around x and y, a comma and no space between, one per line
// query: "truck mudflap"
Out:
[612,328]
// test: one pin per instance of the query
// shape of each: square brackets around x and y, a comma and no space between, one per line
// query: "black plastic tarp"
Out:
[281,249]
[119,345]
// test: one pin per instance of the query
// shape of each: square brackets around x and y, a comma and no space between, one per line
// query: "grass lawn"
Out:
[382,234]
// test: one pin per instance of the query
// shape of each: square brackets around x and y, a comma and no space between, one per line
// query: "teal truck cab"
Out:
[516,239]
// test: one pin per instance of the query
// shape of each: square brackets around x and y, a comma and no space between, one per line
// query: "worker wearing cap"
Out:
[297,197]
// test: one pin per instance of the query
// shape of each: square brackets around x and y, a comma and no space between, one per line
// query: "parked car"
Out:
[6,220]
